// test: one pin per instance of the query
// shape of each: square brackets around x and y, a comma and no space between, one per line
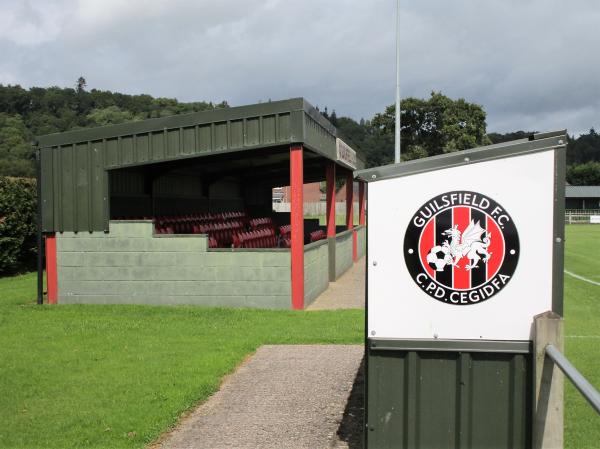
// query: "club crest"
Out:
[461,247]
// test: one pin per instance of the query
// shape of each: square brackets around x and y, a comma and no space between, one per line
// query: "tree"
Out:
[587,174]
[429,126]
[584,149]
[363,138]
[81,85]
[25,113]
[436,125]
[16,154]
[111,115]
[333,118]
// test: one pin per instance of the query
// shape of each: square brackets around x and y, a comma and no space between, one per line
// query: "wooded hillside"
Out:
[430,126]
[26,113]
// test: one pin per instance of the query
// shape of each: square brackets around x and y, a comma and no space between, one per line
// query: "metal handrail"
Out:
[585,388]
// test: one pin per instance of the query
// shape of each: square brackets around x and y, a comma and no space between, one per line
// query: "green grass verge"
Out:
[582,331]
[119,376]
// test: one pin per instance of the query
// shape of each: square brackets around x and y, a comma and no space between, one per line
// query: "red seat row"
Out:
[188,224]
[317,235]
[221,232]
[261,238]
[259,223]
[196,217]
[174,227]
[285,230]
[203,218]
[164,229]
[224,229]
[226,234]
[232,215]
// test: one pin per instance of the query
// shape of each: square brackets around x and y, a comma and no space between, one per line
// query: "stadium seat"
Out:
[317,235]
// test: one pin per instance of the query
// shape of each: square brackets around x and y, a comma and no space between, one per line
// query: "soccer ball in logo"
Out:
[438,258]
[461,247]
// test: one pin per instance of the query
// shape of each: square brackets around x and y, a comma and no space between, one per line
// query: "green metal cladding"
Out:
[448,399]
[74,176]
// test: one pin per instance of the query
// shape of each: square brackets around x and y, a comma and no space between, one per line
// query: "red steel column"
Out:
[330,181]
[297,222]
[349,201]
[350,214]
[361,204]
[51,274]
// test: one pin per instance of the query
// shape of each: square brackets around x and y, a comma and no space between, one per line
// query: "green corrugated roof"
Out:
[184,120]
[74,164]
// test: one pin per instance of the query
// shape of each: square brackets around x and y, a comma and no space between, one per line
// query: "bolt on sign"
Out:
[345,154]
[463,250]
[464,245]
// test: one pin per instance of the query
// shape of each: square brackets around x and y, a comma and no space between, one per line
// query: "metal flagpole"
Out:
[397,124]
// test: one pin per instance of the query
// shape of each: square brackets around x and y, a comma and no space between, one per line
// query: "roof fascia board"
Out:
[480,154]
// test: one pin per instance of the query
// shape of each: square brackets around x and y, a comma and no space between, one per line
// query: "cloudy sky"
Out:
[533,64]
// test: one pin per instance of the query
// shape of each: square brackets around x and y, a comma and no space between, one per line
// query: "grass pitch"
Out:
[118,376]
[582,332]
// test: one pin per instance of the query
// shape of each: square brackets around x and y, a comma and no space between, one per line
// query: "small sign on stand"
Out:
[345,154]
[464,250]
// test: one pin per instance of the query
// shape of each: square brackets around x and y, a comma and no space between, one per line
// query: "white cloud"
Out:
[24,24]
[531,64]
[527,62]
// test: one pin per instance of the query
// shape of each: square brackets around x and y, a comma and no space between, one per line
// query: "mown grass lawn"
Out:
[582,331]
[118,376]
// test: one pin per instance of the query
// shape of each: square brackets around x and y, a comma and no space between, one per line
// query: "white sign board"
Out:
[464,252]
[594,219]
[345,154]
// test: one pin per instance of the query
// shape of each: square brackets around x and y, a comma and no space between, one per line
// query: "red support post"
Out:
[330,181]
[51,273]
[297,222]
[350,214]
[361,204]
[349,201]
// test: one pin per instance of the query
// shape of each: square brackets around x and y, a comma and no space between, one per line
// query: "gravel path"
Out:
[348,292]
[283,397]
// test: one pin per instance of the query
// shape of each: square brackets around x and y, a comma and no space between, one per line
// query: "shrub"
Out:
[587,174]
[18,218]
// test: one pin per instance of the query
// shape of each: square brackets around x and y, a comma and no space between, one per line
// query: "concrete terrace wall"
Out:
[130,265]
[362,241]
[316,274]
[343,252]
